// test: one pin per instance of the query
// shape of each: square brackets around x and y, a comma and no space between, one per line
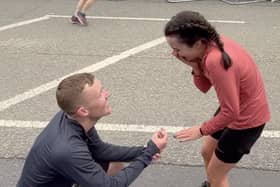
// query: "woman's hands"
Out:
[194,64]
[187,134]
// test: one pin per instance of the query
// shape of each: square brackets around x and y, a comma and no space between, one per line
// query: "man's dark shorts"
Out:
[233,144]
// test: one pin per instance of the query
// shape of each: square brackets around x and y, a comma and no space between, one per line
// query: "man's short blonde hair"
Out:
[69,91]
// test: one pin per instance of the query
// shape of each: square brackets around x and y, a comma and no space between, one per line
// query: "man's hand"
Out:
[160,139]
[188,134]
[156,156]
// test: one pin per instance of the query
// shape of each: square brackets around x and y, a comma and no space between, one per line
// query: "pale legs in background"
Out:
[79,16]
[178,1]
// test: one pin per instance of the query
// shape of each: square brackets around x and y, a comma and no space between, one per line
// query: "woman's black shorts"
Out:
[233,144]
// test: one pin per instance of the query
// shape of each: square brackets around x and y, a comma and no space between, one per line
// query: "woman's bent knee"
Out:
[206,153]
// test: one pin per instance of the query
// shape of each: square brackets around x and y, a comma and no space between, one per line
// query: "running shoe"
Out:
[74,20]
[205,184]
[82,18]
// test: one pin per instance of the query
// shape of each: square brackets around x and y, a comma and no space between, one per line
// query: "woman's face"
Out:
[183,51]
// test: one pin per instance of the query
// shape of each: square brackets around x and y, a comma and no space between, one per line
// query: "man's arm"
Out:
[78,165]
[107,152]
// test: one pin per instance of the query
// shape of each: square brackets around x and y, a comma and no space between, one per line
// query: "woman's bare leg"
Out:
[207,150]
[217,172]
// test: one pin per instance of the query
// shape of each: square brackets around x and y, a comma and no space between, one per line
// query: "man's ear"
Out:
[81,111]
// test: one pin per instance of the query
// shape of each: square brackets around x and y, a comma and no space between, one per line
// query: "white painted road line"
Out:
[108,61]
[144,19]
[117,127]
[102,64]
[22,23]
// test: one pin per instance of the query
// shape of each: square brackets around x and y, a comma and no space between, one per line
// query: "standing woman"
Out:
[219,62]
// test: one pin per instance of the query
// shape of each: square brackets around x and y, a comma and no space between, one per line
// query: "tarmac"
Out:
[123,46]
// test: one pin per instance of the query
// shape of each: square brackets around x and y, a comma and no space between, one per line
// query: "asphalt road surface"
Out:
[124,46]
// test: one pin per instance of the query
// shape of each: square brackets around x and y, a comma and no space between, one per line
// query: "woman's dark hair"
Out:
[189,27]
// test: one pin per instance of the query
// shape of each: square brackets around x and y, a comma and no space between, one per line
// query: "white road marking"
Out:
[144,19]
[99,65]
[117,127]
[108,61]
[22,23]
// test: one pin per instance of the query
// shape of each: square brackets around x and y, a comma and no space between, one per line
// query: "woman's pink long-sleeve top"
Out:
[239,89]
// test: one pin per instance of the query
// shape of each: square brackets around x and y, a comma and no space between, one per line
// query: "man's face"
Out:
[94,99]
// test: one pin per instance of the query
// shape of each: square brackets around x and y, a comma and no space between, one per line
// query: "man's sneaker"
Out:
[205,184]
[74,20]
[82,18]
